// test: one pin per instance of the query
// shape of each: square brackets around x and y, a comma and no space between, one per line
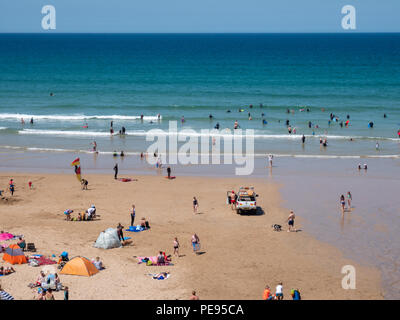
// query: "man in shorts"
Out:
[290,221]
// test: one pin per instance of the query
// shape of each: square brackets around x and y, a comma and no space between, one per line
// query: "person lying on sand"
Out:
[5,270]
[160,276]
[144,223]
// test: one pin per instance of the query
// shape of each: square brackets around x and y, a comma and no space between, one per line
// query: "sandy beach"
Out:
[241,253]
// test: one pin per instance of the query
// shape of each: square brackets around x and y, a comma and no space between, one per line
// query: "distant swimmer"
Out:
[384,115]
[290,130]
[111,131]
[251,106]
[261,105]
[359,166]
[303,139]
[85,126]
[262,114]
[398,133]
[115,154]
[183,119]
[341,124]
[325,143]
[51,94]
[228,111]
[250,118]
[348,116]
[123,130]
[94,146]
[236,125]
[309,124]
[241,110]
[217,126]
[287,111]
[158,116]
[377,146]
[141,117]
[122,154]
[371,124]
[365,166]
[210,116]
[31,121]
[22,121]
[264,121]
[111,124]
[347,123]
[287,122]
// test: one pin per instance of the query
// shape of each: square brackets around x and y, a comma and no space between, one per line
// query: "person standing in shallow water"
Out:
[349,199]
[169,172]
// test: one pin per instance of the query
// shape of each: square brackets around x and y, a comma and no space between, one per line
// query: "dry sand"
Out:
[241,253]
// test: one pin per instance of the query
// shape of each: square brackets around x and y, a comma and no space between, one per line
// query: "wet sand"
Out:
[241,253]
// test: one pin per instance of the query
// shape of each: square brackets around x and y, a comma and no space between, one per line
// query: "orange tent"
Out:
[14,255]
[79,266]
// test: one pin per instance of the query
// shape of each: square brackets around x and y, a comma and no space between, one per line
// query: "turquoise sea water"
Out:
[99,78]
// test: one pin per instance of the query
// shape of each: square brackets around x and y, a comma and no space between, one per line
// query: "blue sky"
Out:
[139,16]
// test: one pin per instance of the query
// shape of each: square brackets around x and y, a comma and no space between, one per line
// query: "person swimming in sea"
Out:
[236,125]
[264,121]
[122,154]
[210,116]
[183,119]
[217,126]
[31,121]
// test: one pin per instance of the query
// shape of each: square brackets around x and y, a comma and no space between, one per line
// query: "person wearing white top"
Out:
[279,291]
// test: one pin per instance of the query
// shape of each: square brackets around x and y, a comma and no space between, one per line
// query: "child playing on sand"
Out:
[30,184]
[279,291]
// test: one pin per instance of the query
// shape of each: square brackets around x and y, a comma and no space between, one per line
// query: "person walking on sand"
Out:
[116,171]
[290,221]
[194,296]
[176,246]
[349,198]
[133,214]
[342,203]
[195,205]
[195,243]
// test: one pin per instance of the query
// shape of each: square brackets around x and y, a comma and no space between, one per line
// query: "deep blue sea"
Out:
[98,78]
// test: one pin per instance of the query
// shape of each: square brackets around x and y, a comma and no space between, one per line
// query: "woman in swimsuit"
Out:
[176,246]
[349,198]
[342,203]
[195,205]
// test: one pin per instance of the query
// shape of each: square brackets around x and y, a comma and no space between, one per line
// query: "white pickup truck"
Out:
[246,200]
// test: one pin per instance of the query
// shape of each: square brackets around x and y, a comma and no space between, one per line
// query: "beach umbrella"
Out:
[6,236]
[14,255]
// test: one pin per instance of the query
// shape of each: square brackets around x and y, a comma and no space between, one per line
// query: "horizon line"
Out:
[289,32]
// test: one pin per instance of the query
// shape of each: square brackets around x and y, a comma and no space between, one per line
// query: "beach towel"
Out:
[45,261]
[153,260]
[127,238]
[124,179]
[138,228]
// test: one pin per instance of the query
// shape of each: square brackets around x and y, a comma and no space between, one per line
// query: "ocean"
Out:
[67,81]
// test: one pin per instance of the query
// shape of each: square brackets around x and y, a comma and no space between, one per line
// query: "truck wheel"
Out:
[237,211]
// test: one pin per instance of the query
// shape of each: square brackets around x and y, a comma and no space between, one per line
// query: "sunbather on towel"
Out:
[161,276]
[5,271]
[41,279]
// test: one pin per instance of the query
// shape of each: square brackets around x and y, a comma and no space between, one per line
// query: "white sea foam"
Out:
[75,117]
